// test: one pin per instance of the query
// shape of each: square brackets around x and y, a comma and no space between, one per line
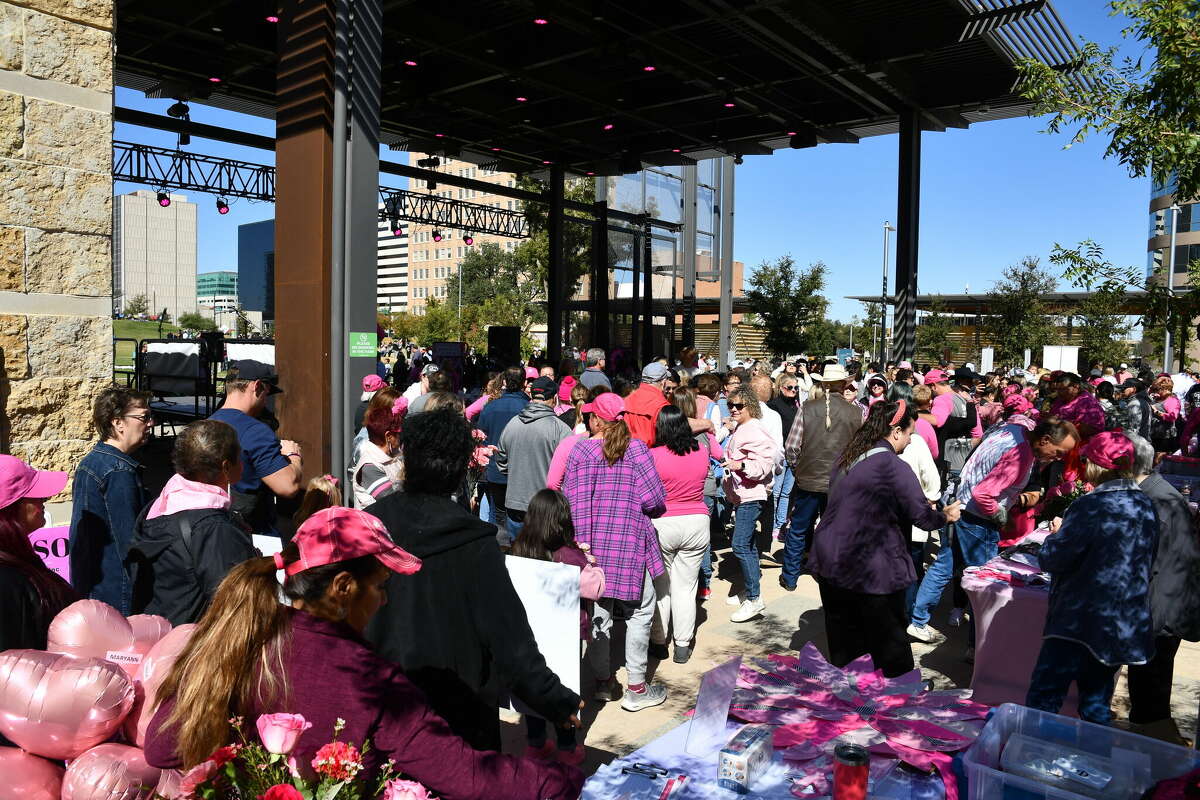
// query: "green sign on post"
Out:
[363,345]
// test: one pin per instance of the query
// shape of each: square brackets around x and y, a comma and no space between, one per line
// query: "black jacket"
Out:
[457,627]
[1175,576]
[786,409]
[175,576]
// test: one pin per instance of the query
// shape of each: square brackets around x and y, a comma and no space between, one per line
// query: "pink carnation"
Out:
[406,790]
[478,434]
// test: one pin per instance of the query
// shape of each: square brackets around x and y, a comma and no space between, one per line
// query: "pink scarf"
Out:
[180,494]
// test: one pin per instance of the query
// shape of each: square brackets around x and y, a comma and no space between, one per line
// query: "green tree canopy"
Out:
[1150,114]
[1019,318]
[138,304]
[790,306]
[933,334]
[193,321]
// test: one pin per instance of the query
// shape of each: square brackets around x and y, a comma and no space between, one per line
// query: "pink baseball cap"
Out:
[372,383]
[936,376]
[609,406]
[18,480]
[337,534]
[1109,450]
[531,373]
[565,387]
[1016,404]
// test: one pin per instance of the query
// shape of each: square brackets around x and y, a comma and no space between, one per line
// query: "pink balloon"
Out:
[155,667]
[59,706]
[148,629]
[110,772]
[93,629]
[170,784]
[27,777]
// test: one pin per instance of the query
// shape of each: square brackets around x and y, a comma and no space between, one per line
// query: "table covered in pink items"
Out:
[1009,618]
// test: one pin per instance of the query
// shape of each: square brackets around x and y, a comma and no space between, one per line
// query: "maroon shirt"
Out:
[333,673]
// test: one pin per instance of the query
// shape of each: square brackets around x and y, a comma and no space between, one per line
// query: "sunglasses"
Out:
[737,406]
[790,388]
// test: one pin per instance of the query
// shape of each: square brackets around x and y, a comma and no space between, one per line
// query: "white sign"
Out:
[708,729]
[550,594]
[1064,357]
[986,356]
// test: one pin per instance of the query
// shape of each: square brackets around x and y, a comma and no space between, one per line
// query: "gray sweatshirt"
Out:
[526,447]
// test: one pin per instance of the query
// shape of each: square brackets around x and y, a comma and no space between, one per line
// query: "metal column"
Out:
[634,293]
[689,255]
[360,263]
[647,294]
[908,209]
[600,320]
[555,276]
[725,325]
[303,226]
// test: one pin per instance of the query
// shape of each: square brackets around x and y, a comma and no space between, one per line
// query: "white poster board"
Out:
[1064,357]
[1028,359]
[550,594]
[986,358]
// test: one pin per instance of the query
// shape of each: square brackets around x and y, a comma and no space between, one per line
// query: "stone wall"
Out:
[56,64]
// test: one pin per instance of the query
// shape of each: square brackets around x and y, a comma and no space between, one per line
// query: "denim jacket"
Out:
[107,496]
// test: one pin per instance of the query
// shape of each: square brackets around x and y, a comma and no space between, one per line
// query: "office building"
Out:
[217,284]
[431,263]
[154,252]
[391,280]
[1187,232]
[256,268]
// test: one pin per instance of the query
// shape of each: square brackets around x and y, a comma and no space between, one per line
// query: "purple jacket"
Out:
[861,544]
[333,673]
[612,508]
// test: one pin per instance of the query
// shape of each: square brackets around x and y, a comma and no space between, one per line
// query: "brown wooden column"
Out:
[303,226]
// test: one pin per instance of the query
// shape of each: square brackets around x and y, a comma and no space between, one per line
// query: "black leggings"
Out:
[858,623]
[1150,683]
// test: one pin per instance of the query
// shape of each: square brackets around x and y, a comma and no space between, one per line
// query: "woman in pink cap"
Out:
[250,655]
[1099,562]
[30,593]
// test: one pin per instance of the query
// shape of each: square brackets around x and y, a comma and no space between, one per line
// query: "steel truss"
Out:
[176,169]
[401,204]
[163,168]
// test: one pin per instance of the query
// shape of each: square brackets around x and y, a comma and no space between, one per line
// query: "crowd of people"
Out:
[855,471]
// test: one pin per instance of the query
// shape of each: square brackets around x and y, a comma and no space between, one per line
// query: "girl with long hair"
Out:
[549,535]
[860,554]
[251,655]
[31,594]
[614,492]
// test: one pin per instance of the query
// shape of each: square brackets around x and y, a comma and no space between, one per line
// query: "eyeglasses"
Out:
[787,387]
[736,406]
[147,418]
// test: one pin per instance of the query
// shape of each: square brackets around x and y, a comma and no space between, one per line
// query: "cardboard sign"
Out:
[550,594]
[53,545]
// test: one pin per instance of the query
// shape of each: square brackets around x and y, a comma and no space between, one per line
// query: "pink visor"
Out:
[18,479]
[337,534]
[372,383]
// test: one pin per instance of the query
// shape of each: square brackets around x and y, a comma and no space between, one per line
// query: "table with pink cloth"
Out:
[1009,619]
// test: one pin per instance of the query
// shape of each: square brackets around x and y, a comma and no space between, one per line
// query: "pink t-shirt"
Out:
[926,432]
[683,478]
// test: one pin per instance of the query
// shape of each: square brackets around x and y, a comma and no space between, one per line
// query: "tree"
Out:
[192,321]
[1103,331]
[933,334]
[439,323]
[1150,115]
[789,303]
[500,287]
[1086,267]
[1019,318]
[138,304]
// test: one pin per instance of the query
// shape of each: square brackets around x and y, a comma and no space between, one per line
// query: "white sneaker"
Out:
[735,599]
[749,610]
[956,617]
[655,694]
[922,633]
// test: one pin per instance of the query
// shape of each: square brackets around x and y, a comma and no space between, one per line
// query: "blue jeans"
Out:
[745,519]
[797,541]
[706,568]
[977,543]
[916,552]
[1062,662]
[782,492]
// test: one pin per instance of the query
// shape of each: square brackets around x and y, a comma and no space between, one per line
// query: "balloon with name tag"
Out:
[92,628]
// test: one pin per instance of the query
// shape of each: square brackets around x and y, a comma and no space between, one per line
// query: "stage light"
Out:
[737,159]
[185,139]
[271,18]
[178,110]
[676,150]
[800,140]
[541,21]
[440,135]
[649,68]
[164,199]
[437,236]
[396,229]
[214,80]
[791,133]
[429,163]
[495,149]
[547,163]
[522,99]
[589,174]
[222,206]
[431,185]
[468,240]
[608,126]
[410,63]
[730,104]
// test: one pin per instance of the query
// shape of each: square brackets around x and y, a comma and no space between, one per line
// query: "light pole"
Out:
[853,322]
[1167,355]
[458,273]
[883,342]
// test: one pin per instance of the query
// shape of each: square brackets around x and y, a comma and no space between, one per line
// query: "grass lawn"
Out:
[136,329]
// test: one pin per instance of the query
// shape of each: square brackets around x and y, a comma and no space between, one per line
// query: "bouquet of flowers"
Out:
[483,452]
[1060,497]
[247,770]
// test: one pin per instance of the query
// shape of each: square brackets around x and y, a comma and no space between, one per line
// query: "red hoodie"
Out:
[641,411]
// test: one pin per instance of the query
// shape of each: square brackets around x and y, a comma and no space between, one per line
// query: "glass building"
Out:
[256,268]
[1186,222]
[223,283]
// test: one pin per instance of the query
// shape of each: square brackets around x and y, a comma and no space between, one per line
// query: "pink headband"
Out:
[901,409]
[279,561]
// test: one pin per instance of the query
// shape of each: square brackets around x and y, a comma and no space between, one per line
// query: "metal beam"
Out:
[688,244]
[993,18]
[725,316]
[908,211]
[402,204]
[163,168]
[599,310]
[556,273]
[647,294]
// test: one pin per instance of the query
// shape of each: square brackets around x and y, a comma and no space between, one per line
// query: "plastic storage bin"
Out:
[1136,761]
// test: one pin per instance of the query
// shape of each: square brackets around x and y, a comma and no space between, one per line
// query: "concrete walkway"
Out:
[791,619]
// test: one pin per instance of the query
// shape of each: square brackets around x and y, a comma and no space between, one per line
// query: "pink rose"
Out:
[196,777]
[279,732]
[406,790]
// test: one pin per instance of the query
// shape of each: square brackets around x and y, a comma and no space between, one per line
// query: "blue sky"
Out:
[991,195]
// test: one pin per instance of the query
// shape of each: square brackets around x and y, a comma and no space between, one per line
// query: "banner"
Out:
[550,594]
[53,545]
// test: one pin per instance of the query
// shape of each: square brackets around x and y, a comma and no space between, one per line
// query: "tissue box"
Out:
[741,762]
